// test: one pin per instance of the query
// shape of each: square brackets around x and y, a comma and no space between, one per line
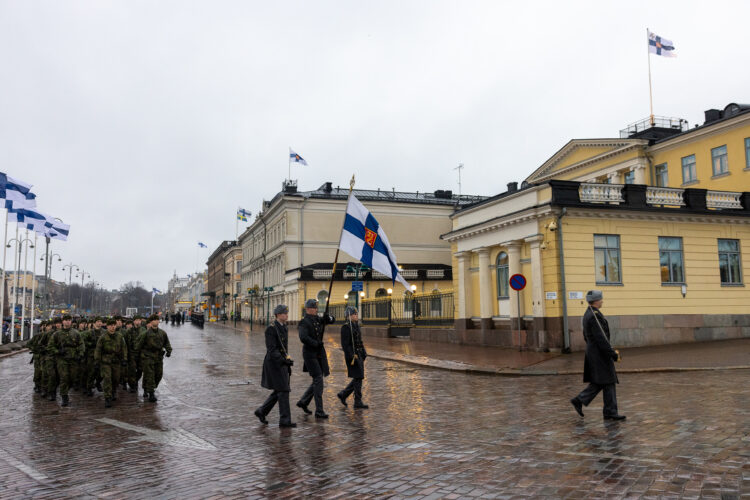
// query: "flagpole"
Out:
[25,269]
[650,95]
[15,288]
[289,163]
[237,224]
[336,259]
[33,288]
[2,290]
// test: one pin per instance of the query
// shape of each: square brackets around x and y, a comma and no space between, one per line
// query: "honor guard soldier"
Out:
[355,355]
[152,344]
[111,353]
[311,330]
[599,362]
[277,368]
[67,348]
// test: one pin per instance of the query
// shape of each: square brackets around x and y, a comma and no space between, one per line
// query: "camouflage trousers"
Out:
[134,372]
[90,373]
[49,374]
[152,371]
[38,372]
[110,373]
[67,371]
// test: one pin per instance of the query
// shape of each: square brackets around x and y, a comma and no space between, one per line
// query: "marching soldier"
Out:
[49,370]
[111,353]
[36,356]
[134,362]
[599,362]
[277,368]
[311,330]
[67,348]
[152,344]
[355,355]
[91,373]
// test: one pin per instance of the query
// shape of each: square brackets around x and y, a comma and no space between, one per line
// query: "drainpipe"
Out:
[561,251]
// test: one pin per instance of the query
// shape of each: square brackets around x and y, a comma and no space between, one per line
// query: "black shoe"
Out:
[44,395]
[65,400]
[615,417]
[151,397]
[107,403]
[288,424]
[342,398]
[577,405]
[114,395]
[304,407]
[99,387]
[360,406]
[145,394]
[321,415]
[37,389]
[261,417]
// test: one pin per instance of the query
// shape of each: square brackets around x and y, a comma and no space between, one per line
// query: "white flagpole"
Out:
[237,224]
[650,95]
[2,290]
[33,288]
[15,288]
[289,163]
[26,241]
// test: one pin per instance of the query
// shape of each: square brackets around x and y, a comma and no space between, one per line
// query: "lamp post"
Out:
[359,268]
[235,309]
[19,245]
[268,290]
[70,278]
[251,292]
[48,270]
[84,274]
[390,305]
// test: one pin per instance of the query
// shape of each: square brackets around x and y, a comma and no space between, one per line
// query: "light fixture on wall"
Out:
[683,289]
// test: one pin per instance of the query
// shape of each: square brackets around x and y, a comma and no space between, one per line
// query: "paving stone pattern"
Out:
[429,434]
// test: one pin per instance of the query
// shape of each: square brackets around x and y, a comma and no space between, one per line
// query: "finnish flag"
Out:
[364,239]
[295,158]
[660,46]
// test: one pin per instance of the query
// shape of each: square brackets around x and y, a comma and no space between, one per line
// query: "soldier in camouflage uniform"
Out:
[36,356]
[49,363]
[134,361]
[152,344]
[111,353]
[67,348]
[90,373]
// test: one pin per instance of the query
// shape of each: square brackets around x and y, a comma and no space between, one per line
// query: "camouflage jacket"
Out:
[90,338]
[110,349]
[153,343]
[66,344]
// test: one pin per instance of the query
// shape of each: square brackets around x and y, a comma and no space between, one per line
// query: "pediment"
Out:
[579,152]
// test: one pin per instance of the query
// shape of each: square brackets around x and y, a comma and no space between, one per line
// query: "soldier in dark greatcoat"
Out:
[314,354]
[277,368]
[599,363]
[354,354]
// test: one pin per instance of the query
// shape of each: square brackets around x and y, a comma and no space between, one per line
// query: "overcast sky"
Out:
[145,124]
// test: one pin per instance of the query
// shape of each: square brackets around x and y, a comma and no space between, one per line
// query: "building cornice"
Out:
[549,173]
[700,133]
[587,213]
[497,223]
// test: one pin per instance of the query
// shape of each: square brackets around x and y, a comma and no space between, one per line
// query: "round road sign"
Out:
[517,282]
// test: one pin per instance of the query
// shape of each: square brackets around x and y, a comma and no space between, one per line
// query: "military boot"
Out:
[114,393]
[145,394]
[99,387]
[65,400]
[151,397]
[51,396]
[107,403]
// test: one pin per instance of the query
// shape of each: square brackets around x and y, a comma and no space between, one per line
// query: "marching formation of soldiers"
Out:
[98,353]
[277,365]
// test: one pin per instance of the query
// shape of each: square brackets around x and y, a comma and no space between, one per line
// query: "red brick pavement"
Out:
[428,434]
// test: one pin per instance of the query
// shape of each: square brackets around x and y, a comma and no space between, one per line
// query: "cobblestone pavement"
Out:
[428,434]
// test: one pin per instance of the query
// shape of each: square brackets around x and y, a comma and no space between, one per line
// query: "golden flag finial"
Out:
[351,184]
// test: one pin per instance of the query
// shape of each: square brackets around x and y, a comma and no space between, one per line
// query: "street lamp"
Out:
[390,305]
[48,270]
[359,268]
[251,292]
[19,245]
[84,274]
[70,277]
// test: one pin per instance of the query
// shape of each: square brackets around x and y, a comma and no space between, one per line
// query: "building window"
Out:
[322,298]
[719,160]
[747,152]
[630,177]
[661,174]
[670,260]
[688,169]
[239,267]
[607,258]
[730,264]
[502,276]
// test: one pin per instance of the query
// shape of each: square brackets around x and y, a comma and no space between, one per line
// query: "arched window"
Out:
[381,292]
[502,276]
[352,298]
[322,299]
[381,307]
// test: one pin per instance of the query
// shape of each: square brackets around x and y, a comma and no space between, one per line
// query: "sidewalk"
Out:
[697,356]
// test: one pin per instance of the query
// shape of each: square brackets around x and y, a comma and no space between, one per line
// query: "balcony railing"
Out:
[601,193]
[320,274]
[665,196]
[723,199]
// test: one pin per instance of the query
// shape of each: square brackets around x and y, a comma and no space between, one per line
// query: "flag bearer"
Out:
[111,353]
[311,330]
[354,354]
[277,368]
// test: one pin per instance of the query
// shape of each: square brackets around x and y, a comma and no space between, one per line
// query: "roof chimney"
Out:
[512,187]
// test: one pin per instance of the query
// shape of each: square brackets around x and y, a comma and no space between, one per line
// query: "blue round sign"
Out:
[517,282]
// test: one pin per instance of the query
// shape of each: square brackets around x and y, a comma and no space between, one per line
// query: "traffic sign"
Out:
[358,286]
[518,282]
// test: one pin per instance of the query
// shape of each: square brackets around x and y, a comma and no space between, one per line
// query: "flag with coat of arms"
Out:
[660,46]
[365,240]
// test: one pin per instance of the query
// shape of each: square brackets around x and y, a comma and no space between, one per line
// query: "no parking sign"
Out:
[518,282]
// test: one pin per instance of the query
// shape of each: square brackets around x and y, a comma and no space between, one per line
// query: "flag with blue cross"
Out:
[660,46]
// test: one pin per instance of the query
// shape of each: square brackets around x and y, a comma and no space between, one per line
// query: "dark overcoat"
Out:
[275,371]
[351,343]
[599,363]
[311,329]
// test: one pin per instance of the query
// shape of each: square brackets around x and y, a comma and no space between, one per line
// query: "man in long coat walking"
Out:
[311,330]
[599,363]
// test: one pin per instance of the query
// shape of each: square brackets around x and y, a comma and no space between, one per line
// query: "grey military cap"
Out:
[280,309]
[350,310]
[594,295]
[311,303]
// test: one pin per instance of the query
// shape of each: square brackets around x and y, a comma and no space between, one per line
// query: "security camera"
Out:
[552,226]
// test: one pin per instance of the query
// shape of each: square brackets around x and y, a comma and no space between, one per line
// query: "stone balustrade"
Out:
[600,193]
[723,199]
[665,196]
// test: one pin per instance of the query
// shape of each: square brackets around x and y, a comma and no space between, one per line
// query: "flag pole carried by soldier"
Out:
[111,354]
[152,344]
[277,369]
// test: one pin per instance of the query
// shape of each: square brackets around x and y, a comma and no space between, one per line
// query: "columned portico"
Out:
[463,259]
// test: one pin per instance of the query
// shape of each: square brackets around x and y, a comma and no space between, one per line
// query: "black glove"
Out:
[330,320]
[289,362]
[169,353]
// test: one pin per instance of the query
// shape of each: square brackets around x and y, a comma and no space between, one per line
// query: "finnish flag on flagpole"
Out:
[660,46]
[295,158]
[364,239]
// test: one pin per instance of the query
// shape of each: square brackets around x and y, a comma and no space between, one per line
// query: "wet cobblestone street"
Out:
[428,434]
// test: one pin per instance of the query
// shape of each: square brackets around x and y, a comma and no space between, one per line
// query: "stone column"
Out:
[514,267]
[537,277]
[464,258]
[485,288]
[640,175]
[614,178]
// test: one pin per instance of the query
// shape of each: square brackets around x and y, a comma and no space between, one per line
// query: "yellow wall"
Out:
[600,165]
[737,180]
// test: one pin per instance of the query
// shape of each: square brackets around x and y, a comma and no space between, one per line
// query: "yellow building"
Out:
[657,219]
[291,244]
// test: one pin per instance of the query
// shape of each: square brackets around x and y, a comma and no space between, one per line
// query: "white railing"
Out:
[409,273]
[379,276]
[600,193]
[723,199]
[319,274]
[665,196]
[436,273]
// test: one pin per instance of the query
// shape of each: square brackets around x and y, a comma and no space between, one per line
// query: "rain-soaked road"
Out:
[428,434]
